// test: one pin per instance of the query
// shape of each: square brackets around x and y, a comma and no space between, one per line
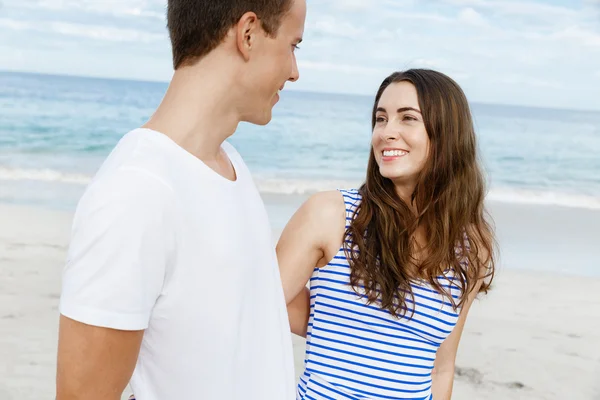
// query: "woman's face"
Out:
[400,142]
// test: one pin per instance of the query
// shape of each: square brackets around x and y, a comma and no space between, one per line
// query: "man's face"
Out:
[274,63]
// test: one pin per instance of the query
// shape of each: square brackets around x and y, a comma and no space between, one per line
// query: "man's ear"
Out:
[247,30]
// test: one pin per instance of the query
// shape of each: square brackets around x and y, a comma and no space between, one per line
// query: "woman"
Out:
[395,265]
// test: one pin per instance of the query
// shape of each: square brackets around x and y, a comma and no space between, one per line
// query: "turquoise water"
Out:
[55,131]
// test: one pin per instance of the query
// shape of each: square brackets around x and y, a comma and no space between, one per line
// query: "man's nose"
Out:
[295,75]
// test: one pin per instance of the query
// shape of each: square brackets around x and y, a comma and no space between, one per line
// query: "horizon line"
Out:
[122,79]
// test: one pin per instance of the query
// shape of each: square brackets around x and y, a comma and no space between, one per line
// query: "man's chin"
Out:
[262,119]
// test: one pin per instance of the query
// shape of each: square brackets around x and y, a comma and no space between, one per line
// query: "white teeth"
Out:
[394,153]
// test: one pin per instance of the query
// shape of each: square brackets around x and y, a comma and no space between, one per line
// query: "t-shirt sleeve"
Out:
[121,244]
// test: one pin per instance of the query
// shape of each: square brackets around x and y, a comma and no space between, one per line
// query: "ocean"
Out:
[55,132]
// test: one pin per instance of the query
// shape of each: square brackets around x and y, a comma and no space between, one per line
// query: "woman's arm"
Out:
[307,242]
[443,369]
[299,312]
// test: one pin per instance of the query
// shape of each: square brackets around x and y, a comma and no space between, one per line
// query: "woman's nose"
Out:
[391,133]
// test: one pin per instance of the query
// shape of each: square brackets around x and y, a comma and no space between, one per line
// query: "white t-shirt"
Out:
[162,242]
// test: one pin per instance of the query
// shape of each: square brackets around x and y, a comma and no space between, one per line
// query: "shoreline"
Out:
[56,189]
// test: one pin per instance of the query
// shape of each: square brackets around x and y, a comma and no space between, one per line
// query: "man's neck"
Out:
[198,110]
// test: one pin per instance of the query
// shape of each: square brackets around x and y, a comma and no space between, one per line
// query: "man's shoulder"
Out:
[134,165]
[131,180]
[127,189]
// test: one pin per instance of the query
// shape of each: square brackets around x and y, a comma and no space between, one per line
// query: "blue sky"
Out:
[539,53]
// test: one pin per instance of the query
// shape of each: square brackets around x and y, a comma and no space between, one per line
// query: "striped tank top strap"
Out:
[352,201]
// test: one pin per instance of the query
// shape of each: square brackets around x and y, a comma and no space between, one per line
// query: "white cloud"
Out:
[416,16]
[99,32]
[530,14]
[470,16]
[345,68]
[331,26]
[383,34]
[429,63]
[14,24]
[577,34]
[512,7]
[572,36]
[96,32]
[350,5]
[141,8]
[530,81]
[362,5]
[138,12]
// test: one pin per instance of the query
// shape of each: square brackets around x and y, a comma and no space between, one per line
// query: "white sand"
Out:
[536,336]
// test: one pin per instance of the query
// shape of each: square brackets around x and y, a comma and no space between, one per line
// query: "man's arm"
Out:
[94,363]
[121,245]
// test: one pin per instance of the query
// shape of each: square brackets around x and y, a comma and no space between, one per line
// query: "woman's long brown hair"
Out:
[449,203]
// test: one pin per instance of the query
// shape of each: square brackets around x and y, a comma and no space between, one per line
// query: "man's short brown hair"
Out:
[196,27]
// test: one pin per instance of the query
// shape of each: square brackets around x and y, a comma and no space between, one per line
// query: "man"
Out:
[171,281]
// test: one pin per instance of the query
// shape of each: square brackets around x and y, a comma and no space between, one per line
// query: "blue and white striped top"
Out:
[359,351]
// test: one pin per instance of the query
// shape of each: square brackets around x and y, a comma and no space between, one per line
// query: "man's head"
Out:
[258,36]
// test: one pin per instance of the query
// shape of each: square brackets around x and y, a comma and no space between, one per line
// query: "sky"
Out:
[523,52]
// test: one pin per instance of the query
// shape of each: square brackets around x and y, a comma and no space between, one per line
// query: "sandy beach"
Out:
[535,336]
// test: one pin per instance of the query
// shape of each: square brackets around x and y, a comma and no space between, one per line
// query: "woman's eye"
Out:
[379,119]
